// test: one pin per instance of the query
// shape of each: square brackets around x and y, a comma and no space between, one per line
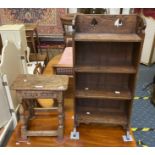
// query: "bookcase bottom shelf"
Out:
[117,119]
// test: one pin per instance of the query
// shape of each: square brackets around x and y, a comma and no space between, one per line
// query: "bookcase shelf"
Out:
[105,69]
[105,61]
[106,37]
[107,118]
[117,95]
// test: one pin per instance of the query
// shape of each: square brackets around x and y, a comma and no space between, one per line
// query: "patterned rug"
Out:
[143,112]
[48,20]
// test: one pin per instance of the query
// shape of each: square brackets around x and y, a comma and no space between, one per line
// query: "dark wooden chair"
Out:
[66,21]
[34,44]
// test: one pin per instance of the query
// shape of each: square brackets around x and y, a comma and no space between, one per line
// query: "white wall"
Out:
[72,10]
[148,42]
[5,114]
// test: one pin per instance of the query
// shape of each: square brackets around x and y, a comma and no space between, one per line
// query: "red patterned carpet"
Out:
[48,20]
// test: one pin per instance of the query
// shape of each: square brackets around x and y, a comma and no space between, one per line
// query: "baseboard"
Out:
[58,38]
[8,128]
[17,112]
[146,64]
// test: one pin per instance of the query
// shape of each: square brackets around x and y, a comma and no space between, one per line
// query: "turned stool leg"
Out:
[23,124]
[60,116]
[31,108]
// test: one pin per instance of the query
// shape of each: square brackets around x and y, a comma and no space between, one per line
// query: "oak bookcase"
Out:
[106,55]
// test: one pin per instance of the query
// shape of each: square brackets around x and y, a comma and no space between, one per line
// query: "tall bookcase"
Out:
[106,55]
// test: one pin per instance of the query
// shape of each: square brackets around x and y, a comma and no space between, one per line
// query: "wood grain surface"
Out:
[41,82]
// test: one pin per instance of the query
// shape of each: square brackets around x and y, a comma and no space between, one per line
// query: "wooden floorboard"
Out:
[90,134]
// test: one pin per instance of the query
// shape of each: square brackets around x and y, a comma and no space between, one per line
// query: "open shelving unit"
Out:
[106,55]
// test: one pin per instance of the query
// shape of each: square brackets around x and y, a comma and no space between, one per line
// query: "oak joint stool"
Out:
[40,86]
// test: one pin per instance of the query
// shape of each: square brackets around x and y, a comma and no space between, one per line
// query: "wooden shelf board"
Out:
[107,37]
[105,69]
[124,95]
[106,118]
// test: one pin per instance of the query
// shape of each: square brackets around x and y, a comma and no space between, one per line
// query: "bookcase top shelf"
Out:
[107,37]
[105,69]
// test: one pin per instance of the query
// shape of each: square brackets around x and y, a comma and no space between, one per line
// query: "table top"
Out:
[68,17]
[40,82]
[30,27]
[67,57]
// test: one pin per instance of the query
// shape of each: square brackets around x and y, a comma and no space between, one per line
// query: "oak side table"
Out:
[40,86]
